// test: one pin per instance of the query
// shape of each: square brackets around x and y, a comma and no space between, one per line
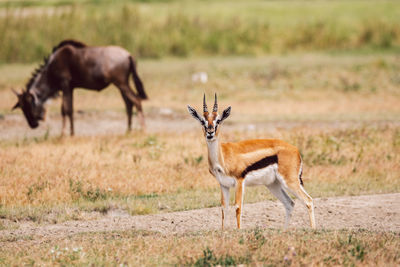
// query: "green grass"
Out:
[198,28]
[58,3]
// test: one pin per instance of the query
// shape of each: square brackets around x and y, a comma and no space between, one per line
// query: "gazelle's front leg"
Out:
[239,201]
[224,203]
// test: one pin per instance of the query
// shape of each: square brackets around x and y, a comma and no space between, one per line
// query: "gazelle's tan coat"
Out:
[270,162]
[237,156]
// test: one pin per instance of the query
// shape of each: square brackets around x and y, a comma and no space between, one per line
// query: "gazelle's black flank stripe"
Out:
[265,162]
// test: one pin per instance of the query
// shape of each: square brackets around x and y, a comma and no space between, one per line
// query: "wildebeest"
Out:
[73,64]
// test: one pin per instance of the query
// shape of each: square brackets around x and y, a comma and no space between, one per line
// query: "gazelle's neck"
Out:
[214,153]
[216,164]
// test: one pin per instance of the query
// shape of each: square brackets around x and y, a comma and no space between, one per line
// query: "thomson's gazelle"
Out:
[270,162]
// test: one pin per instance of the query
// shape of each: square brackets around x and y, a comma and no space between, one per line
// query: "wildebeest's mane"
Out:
[46,59]
[36,72]
[68,42]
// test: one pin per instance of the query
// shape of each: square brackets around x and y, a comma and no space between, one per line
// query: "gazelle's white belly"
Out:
[264,176]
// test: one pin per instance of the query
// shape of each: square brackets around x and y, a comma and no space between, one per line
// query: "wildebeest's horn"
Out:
[204,104]
[215,109]
[15,106]
[15,92]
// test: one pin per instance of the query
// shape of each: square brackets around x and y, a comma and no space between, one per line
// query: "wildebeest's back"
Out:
[90,67]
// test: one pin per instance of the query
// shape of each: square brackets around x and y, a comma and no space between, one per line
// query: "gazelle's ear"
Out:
[195,115]
[225,114]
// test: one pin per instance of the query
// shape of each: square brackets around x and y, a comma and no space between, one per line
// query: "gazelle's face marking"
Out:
[210,122]
[211,126]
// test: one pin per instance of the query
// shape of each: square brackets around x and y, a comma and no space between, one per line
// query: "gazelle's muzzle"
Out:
[210,133]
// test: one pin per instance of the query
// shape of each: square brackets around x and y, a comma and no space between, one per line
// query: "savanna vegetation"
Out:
[322,75]
[200,28]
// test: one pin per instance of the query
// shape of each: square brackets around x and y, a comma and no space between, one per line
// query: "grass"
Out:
[198,28]
[250,247]
[158,173]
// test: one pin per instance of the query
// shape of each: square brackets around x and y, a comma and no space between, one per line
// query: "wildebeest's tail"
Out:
[136,80]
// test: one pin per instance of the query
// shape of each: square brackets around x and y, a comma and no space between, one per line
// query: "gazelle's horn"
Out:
[204,104]
[215,108]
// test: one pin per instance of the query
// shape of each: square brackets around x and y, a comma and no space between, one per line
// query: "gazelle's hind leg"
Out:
[298,190]
[279,192]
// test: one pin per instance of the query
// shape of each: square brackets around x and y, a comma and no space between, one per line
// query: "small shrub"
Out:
[193,161]
[35,188]
[209,259]
[90,194]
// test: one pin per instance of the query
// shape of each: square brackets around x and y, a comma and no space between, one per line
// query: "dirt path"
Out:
[373,212]
[14,126]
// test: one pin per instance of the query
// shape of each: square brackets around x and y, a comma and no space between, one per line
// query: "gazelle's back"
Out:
[239,155]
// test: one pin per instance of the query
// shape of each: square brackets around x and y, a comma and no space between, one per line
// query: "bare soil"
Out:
[372,212]
[164,120]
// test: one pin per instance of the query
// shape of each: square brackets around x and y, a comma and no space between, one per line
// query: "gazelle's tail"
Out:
[301,172]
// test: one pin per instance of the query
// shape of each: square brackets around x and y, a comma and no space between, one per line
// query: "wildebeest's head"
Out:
[32,109]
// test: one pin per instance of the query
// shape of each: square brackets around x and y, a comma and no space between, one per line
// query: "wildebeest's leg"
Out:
[67,108]
[128,106]
[127,92]
[63,118]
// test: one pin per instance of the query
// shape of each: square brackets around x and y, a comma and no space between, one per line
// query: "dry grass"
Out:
[254,247]
[57,171]
[147,174]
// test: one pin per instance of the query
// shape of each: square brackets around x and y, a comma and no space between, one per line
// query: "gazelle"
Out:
[270,162]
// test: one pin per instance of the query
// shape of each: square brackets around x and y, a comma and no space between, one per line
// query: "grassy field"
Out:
[252,247]
[198,28]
